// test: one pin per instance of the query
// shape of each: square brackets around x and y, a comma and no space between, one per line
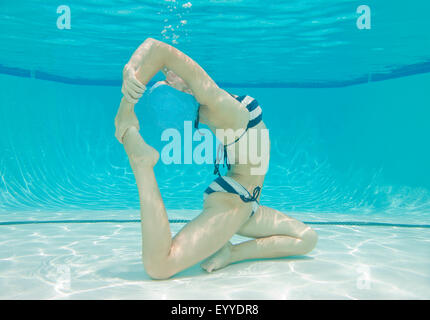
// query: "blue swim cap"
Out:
[172,106]
[164,107]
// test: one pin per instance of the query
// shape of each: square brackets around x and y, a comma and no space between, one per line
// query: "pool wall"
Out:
[359,148]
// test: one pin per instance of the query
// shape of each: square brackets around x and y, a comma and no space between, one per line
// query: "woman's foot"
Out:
[125,118]
[139,152]
[219,259]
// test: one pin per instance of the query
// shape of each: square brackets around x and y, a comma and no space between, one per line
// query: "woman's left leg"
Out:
[163,256]
[277,235]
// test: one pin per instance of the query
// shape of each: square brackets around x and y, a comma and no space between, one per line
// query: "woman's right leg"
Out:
[156,235]
[164,256]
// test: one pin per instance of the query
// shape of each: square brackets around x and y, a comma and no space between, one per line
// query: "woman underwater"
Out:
[231,202]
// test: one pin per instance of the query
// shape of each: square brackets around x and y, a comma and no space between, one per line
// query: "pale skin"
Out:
[206,237]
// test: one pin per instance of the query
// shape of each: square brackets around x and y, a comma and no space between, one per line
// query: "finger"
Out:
[130,99]
[117,136]
[133,97]
[132,93]
[122,135]
[136,82]
[129,96]
[135,88]
[122,132]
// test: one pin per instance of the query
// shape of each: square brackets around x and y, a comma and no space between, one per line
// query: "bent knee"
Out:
[157,272]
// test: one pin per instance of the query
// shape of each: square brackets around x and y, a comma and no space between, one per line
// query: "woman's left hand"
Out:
[132,89]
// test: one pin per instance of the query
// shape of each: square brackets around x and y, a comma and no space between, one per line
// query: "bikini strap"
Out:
[254,196]
[196,121]
[218,159]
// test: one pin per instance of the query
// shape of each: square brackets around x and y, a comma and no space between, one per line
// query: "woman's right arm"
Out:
[221,110]
[153,55]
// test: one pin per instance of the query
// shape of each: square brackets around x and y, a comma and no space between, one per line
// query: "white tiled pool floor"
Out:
[103,261]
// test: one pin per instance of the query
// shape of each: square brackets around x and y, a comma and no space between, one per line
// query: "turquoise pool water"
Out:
[348,114]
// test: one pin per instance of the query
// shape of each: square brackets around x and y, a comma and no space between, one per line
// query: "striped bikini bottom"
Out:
[229,185]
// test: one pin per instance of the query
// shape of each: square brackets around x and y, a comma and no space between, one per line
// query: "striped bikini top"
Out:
[255,117]
[255,112]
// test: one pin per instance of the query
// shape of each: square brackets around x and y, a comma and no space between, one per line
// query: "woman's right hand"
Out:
[132,89]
